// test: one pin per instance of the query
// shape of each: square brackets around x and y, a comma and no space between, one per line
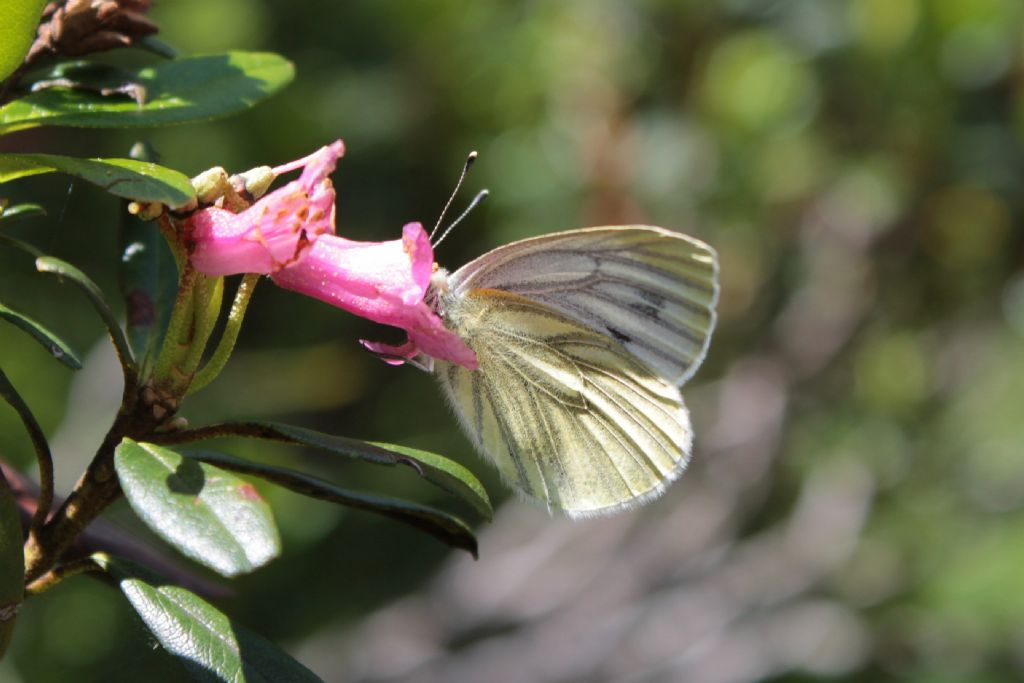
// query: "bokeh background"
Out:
[855,508]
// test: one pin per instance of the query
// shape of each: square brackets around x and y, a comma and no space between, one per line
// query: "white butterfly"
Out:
[583,339]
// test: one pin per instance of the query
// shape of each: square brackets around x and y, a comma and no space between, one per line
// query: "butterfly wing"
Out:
[576,398]
[651,289]
[567,414]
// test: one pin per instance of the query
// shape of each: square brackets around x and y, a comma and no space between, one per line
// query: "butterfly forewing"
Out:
[566,413]
[652,290]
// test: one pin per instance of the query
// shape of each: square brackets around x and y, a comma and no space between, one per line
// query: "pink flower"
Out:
[382,281]
[289,235]
[274,232]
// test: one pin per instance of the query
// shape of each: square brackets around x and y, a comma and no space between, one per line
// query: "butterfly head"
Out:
[437,290]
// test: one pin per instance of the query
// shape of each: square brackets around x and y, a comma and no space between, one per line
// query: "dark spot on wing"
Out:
[653,298]
[646,310]
[621,336]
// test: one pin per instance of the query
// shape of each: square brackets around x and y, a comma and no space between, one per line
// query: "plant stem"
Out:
[208,295]
[179,330]
[231,329]
[58,574]
[97,488]
[256,430]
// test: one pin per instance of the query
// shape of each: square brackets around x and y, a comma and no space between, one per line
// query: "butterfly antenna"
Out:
[480,196]
[462,176]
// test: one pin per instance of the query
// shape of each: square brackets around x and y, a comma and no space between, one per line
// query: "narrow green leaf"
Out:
[138,180]
[17,31]
[41,446]
[450,475]
[448,528]
[20,244]
[49,264]
[20,212]
[12,563]
[446,474]
[440,471]
[211,516]
[47,339]
[210,645]
[179,91]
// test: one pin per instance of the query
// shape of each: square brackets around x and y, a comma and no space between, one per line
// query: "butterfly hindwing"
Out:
[566,413]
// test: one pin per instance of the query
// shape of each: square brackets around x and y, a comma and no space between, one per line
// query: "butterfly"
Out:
[583,339]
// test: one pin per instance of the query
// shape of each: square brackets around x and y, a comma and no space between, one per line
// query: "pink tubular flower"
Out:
[289,235]
[274,232]
[382,281]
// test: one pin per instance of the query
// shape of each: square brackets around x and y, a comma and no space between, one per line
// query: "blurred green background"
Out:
[855,510]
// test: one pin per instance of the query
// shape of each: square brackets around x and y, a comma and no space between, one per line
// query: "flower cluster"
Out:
[289,235]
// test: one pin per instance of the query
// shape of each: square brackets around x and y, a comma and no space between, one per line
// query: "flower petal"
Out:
[376,280]
[384,282]
[431,337]
[274,232]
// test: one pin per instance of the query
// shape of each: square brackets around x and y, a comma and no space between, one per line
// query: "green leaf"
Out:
[437,469]
[440,471]
[104,79]
[138,180]
[448,474]
[12,563]
[20,212]
[17,31]
[49,264]
[149,285]
[48,340]
[446,527]
[179,91]
[210,645]
[211,516]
